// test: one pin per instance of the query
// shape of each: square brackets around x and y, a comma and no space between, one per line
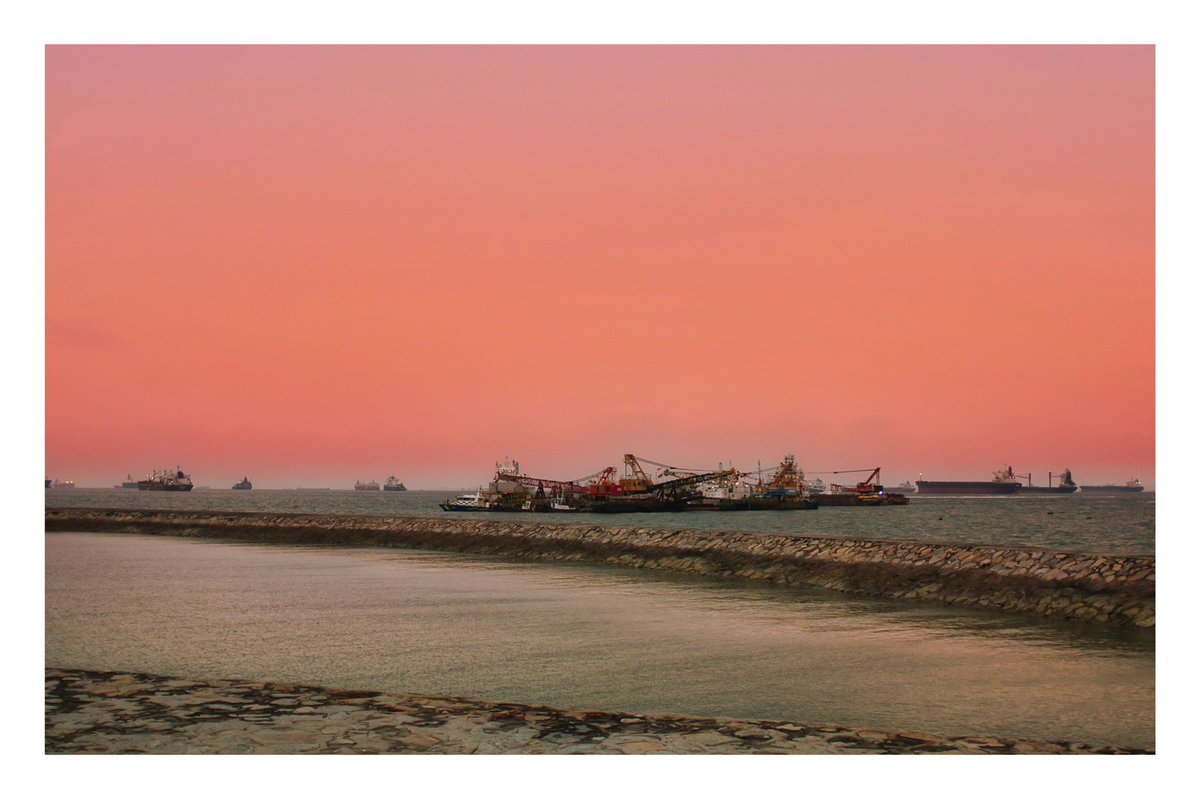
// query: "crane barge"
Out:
[865,493]
[640,494]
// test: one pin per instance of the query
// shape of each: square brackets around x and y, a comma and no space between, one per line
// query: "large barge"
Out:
[867,493]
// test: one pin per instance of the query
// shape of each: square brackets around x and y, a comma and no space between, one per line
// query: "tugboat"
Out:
[244,485]
[393,484]
[166,481]
[471,502]
[359,485]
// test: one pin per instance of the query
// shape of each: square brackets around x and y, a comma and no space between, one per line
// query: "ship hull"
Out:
[967,488]
[390,488]
[858,500]
[1112,489]
[1038,491]
[756,503]
[159,487]
[639,506]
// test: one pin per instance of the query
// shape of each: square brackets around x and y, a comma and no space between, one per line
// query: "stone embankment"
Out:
[112,713]
[1100,588]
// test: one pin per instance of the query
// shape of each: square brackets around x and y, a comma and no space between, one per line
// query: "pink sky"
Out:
[312,265]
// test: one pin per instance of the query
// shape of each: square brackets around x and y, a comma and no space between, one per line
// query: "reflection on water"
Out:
[1123,524]
[583,636]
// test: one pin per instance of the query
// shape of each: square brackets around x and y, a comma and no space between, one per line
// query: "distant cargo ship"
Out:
[359,485]
[166,481]
[128,482]
[904,488]
[244,485]
[1134,486]
[1003,483]
[63,484]
[1065,486]
[393,484]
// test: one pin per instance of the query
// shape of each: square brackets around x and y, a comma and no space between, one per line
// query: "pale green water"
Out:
[579,636]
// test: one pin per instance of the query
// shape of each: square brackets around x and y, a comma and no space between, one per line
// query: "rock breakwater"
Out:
[112,713]
[1099,588]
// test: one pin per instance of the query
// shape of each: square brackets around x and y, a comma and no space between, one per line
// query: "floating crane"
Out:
[873,483]
[635,481]
[638,482]
[602,485]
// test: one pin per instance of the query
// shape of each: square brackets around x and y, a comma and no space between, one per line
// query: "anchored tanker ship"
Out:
[1003,483]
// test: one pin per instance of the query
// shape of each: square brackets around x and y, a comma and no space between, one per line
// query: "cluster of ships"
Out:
[676,489]
[786,488]
[176,480]
[672,489]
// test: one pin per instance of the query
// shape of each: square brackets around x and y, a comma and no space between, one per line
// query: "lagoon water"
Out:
[1091,523]
[579,636]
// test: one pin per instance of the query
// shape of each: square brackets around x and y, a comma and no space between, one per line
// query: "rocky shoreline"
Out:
[125,713]
[1109,589]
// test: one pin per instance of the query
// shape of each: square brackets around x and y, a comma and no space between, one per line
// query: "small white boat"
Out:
[476,501]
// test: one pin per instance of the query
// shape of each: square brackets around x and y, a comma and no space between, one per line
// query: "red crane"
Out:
[872,485]
[603,484]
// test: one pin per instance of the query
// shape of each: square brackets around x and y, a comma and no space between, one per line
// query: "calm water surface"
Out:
[578,636]
[1121,524]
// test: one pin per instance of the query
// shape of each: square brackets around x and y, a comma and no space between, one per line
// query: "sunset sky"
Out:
[312,265]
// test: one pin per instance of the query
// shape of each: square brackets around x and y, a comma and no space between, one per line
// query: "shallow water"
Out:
[1109,524]
[586,636]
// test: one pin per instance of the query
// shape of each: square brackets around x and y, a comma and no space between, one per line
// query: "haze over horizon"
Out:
[317,264]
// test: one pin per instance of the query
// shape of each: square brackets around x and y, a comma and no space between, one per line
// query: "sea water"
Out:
[1121,524]
[579,636]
